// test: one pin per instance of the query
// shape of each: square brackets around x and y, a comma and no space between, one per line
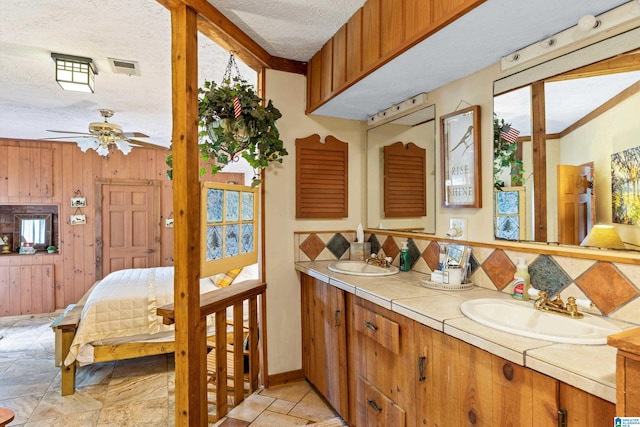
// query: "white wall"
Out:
[283,290]
[614,131]
[476,89]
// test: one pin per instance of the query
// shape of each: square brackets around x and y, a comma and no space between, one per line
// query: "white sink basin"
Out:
[521,318]
[361,268]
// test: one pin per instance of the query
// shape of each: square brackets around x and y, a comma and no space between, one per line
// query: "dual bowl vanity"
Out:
[511,339]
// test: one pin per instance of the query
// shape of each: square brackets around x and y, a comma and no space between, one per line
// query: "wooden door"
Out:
[324,342]
[129,216]
[574,203]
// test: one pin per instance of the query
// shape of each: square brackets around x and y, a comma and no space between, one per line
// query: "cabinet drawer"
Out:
[377,327]
[381,411]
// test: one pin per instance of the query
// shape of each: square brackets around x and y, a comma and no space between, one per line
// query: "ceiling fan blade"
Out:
[147,144]
[134,135]
[66,131]
[68,138]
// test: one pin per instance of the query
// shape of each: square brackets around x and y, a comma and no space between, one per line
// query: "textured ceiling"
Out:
[31,102]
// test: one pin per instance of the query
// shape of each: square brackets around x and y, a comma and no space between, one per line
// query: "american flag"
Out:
[510,135]
[237,108]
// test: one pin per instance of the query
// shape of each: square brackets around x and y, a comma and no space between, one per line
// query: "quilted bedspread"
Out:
[122,305]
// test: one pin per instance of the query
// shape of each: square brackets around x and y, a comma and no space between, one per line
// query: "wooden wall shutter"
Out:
[405,180]
[321,177]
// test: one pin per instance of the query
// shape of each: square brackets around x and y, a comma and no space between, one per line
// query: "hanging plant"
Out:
[504,155]
[234,123]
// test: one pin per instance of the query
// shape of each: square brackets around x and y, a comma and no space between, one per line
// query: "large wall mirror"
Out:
[576,144]
[413,128]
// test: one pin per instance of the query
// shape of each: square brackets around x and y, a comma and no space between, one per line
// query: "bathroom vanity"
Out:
[386,351]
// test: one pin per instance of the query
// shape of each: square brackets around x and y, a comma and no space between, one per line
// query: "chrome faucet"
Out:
[380,260]
[556,305]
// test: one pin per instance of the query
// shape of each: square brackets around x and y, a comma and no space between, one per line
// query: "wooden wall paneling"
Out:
[26,162]
[71,170]
[447,11]
[36,304]
[14,289]
[46,172]
[392,26]
[418,17]
[315,80]
[5,303]
[339,59]
[13,191]
[79,161]
[327,76]
[86,232]
[4,176]
[380,30]
[67,292]
[370,33]
[354,46]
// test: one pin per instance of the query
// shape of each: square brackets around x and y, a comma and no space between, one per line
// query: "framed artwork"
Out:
[78,202]
[624,193]
[77,219]
[460,159]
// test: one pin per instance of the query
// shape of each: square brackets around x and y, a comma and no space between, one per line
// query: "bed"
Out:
[117,318]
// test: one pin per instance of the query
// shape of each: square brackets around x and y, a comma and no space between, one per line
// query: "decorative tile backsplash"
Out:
[613,288]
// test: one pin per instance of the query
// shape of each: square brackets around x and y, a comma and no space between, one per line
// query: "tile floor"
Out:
[137,392]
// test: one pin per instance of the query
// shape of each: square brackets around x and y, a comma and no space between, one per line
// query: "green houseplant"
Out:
[504,155]
[234,122]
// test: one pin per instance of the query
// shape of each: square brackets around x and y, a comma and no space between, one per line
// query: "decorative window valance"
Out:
[322,171]
[405,180]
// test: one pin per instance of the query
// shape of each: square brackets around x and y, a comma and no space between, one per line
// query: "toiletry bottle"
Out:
[405,260]
[521,280]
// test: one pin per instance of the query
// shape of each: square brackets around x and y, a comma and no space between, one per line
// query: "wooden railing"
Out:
[231,367]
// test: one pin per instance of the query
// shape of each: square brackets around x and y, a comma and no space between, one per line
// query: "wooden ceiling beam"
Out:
[218,28]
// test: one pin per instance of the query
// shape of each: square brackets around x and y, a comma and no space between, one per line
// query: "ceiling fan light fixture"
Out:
[75,73]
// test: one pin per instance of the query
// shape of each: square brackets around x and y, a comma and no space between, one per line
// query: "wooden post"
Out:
[539,140]
[190,355]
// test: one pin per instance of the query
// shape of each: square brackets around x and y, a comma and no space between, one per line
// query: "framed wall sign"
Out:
[460,155]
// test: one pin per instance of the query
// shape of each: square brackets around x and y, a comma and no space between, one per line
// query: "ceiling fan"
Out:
[102,135]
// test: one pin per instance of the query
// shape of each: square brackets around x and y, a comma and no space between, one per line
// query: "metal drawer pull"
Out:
[421,376]
[370,326]
[375,407]
[336,318]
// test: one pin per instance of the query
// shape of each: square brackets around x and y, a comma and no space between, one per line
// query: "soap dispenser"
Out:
[521,281]
[405,258]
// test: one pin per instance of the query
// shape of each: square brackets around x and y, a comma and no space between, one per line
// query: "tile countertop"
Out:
[591,368]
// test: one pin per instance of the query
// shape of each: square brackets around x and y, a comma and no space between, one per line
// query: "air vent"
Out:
[122,66]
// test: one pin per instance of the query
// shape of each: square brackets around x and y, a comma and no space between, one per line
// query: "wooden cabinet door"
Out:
[388,360]
[427,390]
[523,397]
[469,386]
[584,409]
[458,389]
[324,344]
